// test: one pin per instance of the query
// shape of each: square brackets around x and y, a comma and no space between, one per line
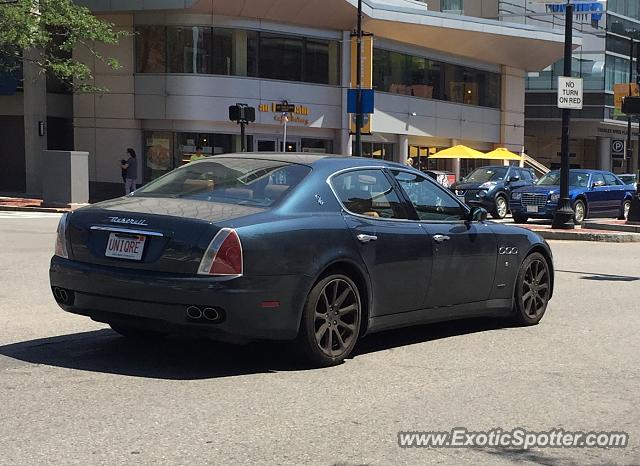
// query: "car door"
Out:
[597,195]
[511,185]
[464,252]
[615,195]
[395,250]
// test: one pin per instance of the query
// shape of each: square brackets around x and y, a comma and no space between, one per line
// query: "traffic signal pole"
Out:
[629,154]
[359,116]
[563,217]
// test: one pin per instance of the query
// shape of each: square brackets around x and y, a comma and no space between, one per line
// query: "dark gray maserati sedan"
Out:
[319,250]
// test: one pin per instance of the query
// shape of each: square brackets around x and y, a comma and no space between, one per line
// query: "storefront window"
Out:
[376,150]
[189,49]
[159,158]
[151,49]
[318,146]
[421,77]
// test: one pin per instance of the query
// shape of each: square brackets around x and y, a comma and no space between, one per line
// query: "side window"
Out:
[611,180]
[369,193]
[597,180]
[526,175]
[431,201]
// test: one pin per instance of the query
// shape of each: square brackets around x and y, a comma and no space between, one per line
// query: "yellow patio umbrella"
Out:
[502,153]
[458,152]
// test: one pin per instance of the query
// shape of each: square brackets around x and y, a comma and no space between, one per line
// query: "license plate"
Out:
[532,209]
[123,246]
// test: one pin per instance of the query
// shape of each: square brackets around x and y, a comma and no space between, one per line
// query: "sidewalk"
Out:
[20,204]
[590,231]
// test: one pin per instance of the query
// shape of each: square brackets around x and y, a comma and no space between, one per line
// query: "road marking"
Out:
[28,215]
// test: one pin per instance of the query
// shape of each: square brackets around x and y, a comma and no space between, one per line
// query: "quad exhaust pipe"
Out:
[211,315]
[63,296]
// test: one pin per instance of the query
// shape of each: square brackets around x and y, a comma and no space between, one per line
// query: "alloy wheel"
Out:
[501,207]
[626,209]
[337,317]
[535,289]
[579,212]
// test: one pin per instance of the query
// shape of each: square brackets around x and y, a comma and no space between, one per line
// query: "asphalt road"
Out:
[73,392]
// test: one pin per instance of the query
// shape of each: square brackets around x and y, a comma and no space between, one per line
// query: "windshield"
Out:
[577,179]
[628,179]
[482,175]
[229,180]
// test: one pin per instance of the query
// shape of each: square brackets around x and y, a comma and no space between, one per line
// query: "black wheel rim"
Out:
[337,317]
[535,289]
[501,207]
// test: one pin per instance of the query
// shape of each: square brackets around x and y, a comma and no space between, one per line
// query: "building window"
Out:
[376,150]
[189,49]
[151,49]
[203,50]
[455,7]
[318,146]
[422,77]
[280,57]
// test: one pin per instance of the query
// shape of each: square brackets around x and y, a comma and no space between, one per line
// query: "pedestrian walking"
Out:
[131,167]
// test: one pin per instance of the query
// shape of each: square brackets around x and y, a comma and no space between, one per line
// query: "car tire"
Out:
[519,218]
[137,333]
[626,208]
[330,324]
[579,212]
[501,209]
[533,290]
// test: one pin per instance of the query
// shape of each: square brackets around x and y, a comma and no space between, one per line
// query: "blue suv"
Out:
[490,187]
[593,193]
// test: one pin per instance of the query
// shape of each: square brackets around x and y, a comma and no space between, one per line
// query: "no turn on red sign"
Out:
[570,93]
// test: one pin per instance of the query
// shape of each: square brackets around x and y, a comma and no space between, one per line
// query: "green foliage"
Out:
[53,28]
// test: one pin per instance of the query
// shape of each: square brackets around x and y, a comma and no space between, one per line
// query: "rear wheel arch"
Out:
[360,278]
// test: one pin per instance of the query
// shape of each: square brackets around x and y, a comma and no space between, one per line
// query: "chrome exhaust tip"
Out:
[211,314]
[194,312]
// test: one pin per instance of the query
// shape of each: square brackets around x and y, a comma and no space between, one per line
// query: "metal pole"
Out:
[359,116]
[629,154]
[563,217]
[634,212]
[284,138]
[243,137]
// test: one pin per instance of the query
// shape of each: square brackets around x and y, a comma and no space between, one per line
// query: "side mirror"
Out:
[513,179]
[478,214]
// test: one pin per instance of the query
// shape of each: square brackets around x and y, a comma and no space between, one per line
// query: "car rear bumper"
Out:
[546,211]
[159,301]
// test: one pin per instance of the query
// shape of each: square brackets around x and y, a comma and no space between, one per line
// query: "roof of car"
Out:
[306,158]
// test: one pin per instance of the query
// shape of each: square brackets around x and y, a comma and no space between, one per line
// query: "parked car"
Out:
[593,193]
[490,187]
[446,179]
[320,250]
[629,179]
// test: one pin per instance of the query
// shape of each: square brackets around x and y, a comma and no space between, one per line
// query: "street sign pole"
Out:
[629,152]
[563,217]
[359,116]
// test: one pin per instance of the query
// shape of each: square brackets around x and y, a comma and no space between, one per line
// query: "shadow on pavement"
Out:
[529,457]
[184,359]
[602,277]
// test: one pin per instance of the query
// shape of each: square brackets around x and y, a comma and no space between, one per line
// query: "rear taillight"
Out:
[61,238]
[223,257]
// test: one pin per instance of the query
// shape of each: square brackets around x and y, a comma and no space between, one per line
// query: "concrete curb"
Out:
[611,227]
[7,208]
[584,236]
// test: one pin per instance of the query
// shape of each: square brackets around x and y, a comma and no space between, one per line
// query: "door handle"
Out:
[441,238]
[366,238]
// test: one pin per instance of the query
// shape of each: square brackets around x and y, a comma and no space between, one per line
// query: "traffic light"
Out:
[241,112]
[631,105]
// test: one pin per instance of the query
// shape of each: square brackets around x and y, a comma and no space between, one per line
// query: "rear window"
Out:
[230,180]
